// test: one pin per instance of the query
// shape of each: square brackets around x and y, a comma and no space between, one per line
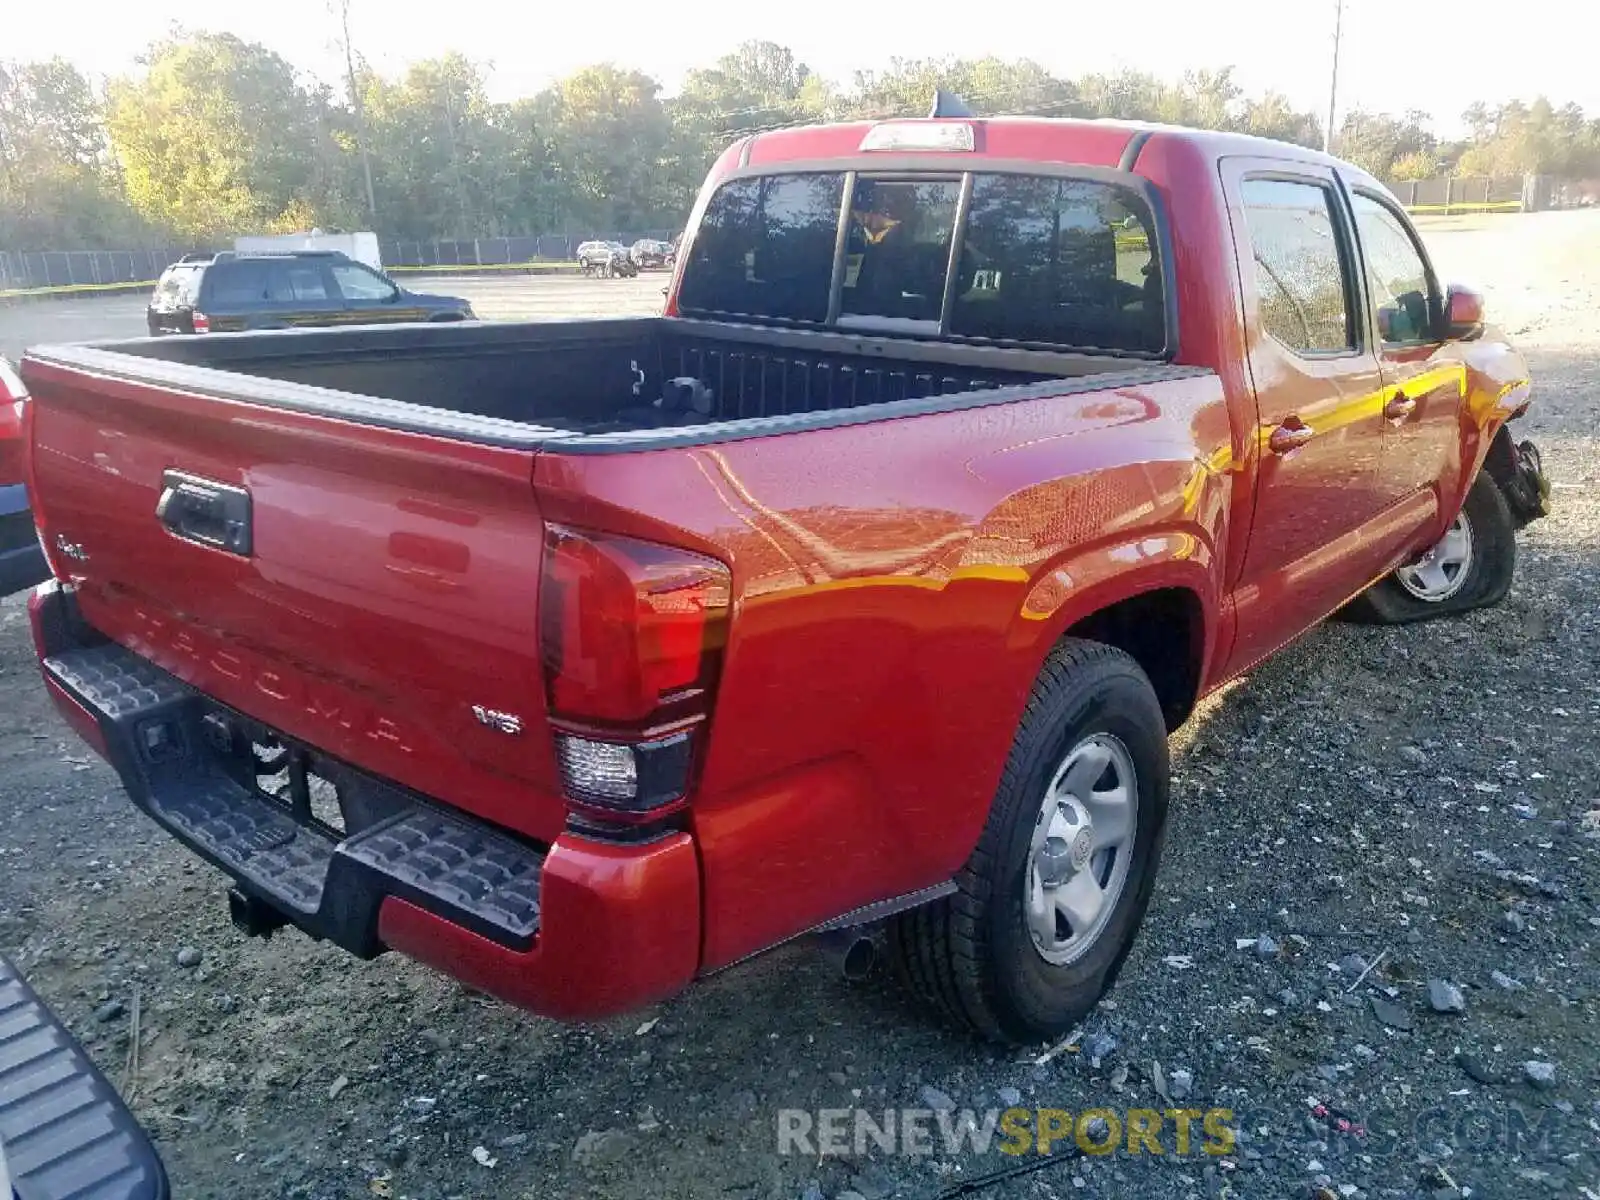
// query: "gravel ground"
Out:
[1373,810]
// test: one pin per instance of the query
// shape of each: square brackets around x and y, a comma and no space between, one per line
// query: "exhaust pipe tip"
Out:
[852,951]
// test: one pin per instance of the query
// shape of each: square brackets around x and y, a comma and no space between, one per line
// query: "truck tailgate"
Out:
[362,590]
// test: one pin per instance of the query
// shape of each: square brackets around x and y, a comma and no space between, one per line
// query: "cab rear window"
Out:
[1067,262]
[765,248]
[1040,260]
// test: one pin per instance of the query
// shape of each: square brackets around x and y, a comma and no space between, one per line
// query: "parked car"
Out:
[22,561]
[648,253]
[64,1131]
[844,591]
[231,291]
[606,259]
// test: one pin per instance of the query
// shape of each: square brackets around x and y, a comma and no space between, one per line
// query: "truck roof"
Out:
[1080,141]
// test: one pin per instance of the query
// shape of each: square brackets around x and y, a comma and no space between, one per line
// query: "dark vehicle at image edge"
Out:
[650,252]
[64,1132]
[229,291]
[22,561]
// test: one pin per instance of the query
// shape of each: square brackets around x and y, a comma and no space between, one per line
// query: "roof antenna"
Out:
[948,104]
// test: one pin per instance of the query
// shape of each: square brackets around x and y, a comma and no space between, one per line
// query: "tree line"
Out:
[214,136]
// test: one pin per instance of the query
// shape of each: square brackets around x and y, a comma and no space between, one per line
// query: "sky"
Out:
[1437,57]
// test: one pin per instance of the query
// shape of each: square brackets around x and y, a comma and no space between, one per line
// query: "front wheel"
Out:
[1047,907]
[1470,567]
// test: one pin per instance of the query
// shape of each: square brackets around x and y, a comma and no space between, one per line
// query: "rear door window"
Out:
[765,249]
[1061,262]
[1303,288]
[238,284]
[294,282]
[360,284]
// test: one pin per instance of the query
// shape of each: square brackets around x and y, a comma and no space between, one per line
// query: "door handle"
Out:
[205,511]
[1290,436]
[1399,408]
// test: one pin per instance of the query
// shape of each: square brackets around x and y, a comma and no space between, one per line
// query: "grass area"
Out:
[74,289]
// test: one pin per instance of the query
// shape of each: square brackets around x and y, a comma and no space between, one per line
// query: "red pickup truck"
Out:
[583,658]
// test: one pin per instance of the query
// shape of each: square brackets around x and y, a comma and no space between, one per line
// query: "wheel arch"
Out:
[1163,629]
[1162,611]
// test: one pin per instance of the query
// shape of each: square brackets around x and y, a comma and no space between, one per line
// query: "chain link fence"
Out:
[500,251]
[24,270]
[84,268]
[1450,195]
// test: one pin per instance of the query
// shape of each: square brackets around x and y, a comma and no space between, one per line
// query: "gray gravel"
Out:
[1358,797]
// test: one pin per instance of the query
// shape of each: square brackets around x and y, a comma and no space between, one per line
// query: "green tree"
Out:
[219,137]
[1272,116]
[610,133]
[57,185]
[442,155]
[1539,137]
[991,86]
[1417,164]
[759,84]
[1376,141]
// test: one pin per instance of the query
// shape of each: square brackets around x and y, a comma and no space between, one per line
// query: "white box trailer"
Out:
[363,247]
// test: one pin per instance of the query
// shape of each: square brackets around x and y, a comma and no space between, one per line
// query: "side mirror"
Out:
[1463,313]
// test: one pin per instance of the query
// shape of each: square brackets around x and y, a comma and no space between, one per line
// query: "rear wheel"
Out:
[1470,567]
[1049,903]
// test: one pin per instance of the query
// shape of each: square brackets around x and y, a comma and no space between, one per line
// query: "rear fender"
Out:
[1091,580]
[1072,592]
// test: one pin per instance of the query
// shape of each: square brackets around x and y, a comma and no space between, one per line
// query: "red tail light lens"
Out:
[201,322]
[632,632]
[632,636]
[13,446]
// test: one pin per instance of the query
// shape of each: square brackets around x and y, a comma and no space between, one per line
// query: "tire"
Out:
[973,955]
[1482,580]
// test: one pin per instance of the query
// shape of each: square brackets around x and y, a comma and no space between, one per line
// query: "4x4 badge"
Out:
[500,722]
[71,549]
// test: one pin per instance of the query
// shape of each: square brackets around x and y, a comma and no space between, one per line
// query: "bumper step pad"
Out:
[444,858]
[448,864]
[64,1130]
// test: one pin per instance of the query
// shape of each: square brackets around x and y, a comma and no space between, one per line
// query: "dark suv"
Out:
[230,291]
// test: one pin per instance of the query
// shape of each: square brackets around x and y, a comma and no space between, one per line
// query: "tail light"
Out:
[202,323]
[632,634]
[13,445]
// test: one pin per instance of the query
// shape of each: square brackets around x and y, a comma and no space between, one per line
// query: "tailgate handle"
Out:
[205,511]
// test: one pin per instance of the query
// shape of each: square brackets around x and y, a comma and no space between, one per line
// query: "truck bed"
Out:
[525,384]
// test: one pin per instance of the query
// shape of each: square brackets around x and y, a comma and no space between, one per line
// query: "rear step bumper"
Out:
[584,929]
